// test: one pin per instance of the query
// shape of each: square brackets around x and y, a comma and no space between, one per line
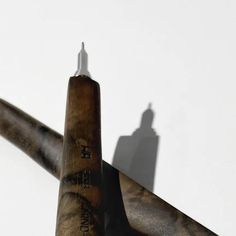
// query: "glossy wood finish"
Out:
[154,216]
[80,206]
[45,146]
[146,212]
[37,140]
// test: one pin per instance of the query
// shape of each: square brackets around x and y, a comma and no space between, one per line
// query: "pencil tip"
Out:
[82,68]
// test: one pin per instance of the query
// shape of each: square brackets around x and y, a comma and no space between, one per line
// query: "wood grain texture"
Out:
[37,140]
[155,216]
[147,213]
[80,207]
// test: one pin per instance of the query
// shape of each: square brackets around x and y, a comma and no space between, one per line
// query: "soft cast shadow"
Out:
[136,155]
[116,221]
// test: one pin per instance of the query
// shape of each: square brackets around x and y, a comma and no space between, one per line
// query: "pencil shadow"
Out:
[136,155]
[116,221]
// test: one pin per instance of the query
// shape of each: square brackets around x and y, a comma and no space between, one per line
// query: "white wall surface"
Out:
[178,55]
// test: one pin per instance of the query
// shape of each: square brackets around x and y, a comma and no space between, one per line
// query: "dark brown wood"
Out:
[80,207]
[146,212]
[154,216]
[41,143]
[45,146]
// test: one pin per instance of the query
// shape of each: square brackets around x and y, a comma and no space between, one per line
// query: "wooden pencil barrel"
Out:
[146,212]
[80,210]
[37,140]
[45,146]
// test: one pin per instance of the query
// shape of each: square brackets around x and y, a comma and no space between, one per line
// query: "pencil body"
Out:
[80,197]
[37,140]
[146,212]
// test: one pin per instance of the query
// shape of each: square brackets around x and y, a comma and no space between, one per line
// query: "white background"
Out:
[179,55]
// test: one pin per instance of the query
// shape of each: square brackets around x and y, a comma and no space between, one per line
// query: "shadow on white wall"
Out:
[136,155]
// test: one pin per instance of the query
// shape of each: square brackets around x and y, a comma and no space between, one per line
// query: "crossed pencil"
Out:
[94,197]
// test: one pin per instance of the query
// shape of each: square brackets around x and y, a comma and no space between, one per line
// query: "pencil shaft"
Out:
[80,209]
[37,140]
[146,212]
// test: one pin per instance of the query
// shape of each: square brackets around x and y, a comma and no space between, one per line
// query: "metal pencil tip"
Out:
[82,68]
